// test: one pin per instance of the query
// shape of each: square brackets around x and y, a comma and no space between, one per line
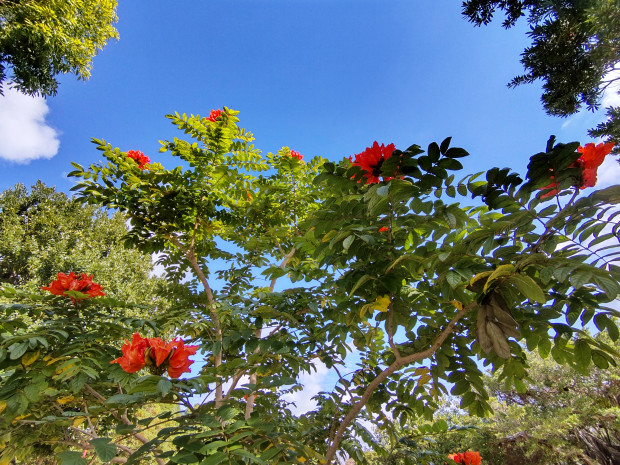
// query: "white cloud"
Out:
[24,134]
[608,173]
[157,270]
[313,383]
[611,97]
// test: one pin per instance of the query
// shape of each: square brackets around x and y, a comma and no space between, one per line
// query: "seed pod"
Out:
[500,344]
[509,331]
[481,330]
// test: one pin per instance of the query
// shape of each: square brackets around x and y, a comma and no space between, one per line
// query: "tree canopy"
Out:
[40,40]
[563,417]
[575,52]
[387,254]
[44,232]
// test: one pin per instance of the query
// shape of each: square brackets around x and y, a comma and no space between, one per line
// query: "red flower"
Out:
[383,228]
[71,282]
[295,154]
[157,354]
[213,116]
[134,355]
[141,159]
[179,362]
[467,458]
[592,157]
[371,159]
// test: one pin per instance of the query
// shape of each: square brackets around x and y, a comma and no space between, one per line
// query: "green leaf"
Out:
[71,458]
[383,191]
[359,282]
[582,353]
[528,287]
[599,360]
[520,386]
[105,451]
[544,347]
[164,386]
[17,350]
[433,152]
[460,387]
[227,412]
[608,285]
[216,458]
[184,457]
[248,455]
[453,279]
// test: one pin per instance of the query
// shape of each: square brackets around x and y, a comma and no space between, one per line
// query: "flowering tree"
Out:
[391,265]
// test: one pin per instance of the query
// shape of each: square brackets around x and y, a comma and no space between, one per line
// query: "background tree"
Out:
[44,232]
[564,417]
[575,51]
[40,40]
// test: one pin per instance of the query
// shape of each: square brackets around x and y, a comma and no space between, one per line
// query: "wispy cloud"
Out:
[608,173]
[313,384]
[24,134]
[611,95]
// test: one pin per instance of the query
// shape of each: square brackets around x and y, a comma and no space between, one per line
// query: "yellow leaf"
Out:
[381,304]
[457,304]
[301,459]
[2,406]
[54,360]
[78,421]
[500,271]
[65,399]
[424,379]
[30,357]
[421,371]
[479,276]
[62,370]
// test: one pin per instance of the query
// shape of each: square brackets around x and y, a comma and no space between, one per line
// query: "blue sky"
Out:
[325,77]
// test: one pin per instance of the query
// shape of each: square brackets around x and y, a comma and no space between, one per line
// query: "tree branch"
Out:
[122,418]
[191,257]
[396,365]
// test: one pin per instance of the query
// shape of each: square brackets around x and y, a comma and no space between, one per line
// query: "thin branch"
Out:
[396,365]
[122,418]
[191,257]
[284,262]
[389,327]
[94,436]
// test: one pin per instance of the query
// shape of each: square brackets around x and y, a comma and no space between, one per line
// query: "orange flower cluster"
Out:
[157,355]
[295,154]
[592,157]
[72,282]
[466,458]
[371,159]
[214,115]
[141,159]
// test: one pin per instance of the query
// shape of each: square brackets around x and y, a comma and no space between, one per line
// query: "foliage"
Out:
[41,39]
[575,51]
[43,232]
[396,267]
[563,417]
